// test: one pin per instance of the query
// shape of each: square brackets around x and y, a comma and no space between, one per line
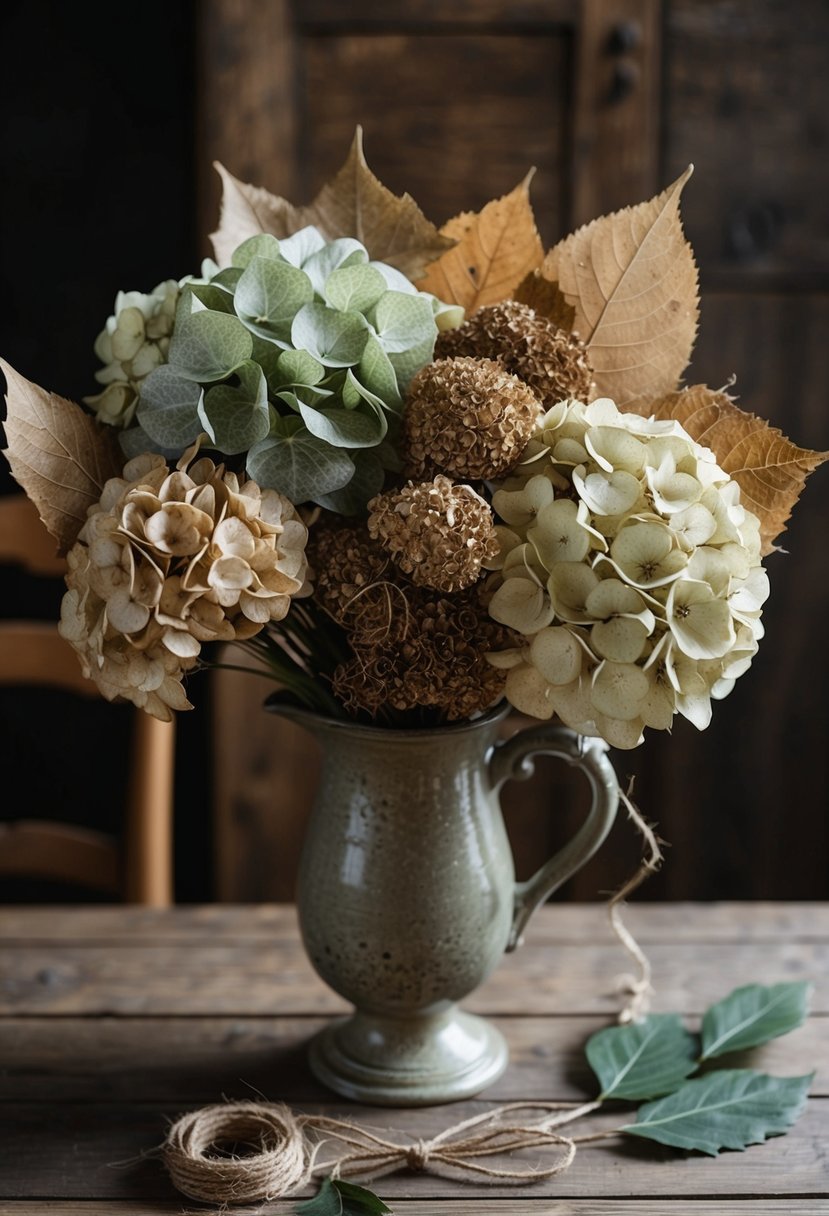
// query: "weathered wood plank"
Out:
[678,922]
[482,1206]
[246,978]
[179,1059]
[105,1151]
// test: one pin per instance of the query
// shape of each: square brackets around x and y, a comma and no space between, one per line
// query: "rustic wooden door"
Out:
[609,100]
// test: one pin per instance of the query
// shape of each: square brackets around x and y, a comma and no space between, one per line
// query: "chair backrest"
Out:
[136,863]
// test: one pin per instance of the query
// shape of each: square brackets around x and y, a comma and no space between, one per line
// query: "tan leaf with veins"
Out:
[354,203]
[632,280]
[769,468]
[496,248]
[58,453]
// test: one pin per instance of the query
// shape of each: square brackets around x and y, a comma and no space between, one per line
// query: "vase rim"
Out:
[302,715]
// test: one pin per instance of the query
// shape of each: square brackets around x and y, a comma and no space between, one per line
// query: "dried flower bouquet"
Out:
[414,472]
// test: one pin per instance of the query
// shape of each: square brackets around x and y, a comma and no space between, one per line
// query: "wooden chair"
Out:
[137,865]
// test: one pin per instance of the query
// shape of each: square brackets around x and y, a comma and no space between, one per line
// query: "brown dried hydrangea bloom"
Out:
[551,361]
[466,417]
[439,662]
[437,532]
[167,561]
[356,582]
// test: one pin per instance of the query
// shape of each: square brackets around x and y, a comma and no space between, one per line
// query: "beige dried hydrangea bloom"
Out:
[468,418]
[169,560]
[551,361]
[133,343]
[438,533]
[631,568]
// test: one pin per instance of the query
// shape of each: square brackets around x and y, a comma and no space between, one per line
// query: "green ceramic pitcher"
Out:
[407,895]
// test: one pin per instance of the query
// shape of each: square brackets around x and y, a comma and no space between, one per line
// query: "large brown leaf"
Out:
[632,280]
[58,453]
[354,203]
[496,248]
[770,469]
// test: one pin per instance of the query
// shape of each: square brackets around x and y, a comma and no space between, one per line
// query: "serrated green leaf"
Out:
[209,346]
[237,416]
[643,1060]
[297,463]
[354,288]
[728,1108]
[269,295]
[344,251]
[752,1015]
[168,408]
[339,1198]
[336,339]
[263,245]
[403,321]
[344,428]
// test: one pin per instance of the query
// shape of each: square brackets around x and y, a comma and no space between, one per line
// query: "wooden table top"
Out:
[113,1021]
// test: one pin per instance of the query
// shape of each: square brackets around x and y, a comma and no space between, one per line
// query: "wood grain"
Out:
[250,979]
[103,1151]
[681,922]
[194,1059]
[480,1206]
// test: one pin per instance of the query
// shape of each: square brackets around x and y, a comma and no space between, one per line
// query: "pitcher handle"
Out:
[512,761]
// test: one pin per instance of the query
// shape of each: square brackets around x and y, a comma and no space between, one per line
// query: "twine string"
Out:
[284,1150]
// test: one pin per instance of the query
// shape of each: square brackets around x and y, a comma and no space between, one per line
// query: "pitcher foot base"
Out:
[424,1061]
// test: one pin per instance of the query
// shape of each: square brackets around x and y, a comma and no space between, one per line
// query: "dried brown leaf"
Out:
[354,203]
[496,248]
[769,468]
[632,280]
[58,453]
[546,298]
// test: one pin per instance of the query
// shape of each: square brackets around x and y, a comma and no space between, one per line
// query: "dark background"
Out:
[109,128]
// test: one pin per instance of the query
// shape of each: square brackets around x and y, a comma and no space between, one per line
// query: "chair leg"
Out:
[148,877]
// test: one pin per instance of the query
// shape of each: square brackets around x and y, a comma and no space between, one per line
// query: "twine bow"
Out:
[284,1157]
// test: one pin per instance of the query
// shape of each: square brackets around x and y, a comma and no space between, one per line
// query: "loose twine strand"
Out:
[201,1151]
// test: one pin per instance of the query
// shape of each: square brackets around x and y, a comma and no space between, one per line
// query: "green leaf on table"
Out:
[338,1198]
[728,1108]
[644,1060]
[752,1015]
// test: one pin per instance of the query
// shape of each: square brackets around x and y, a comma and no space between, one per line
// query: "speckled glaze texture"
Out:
[407,898]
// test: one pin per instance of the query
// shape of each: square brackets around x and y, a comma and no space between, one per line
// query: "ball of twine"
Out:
[200,1166]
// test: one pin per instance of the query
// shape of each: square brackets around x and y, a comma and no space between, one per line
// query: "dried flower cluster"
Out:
[551,361]
[413,647]
[468,418]
[169,560]
[438,533]
[632,570]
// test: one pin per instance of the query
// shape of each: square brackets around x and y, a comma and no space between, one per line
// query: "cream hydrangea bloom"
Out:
[133,343]
[169,560]
[631,568]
